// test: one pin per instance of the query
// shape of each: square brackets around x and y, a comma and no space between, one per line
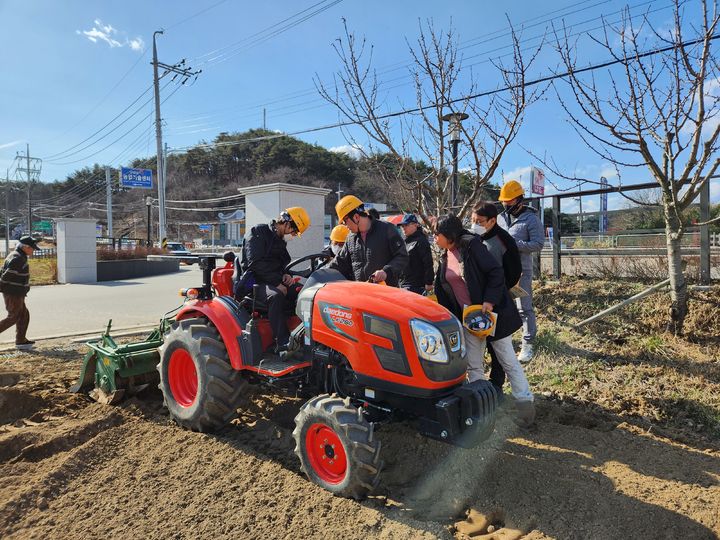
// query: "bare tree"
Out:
[410,148]
[656,108]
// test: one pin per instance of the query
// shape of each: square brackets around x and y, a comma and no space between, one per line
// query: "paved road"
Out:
[74,309]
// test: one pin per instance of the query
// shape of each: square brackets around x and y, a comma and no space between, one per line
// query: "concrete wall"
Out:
[76,250]
[264,203]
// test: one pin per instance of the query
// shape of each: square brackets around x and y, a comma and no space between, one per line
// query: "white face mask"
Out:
[478,229]
[335,249]
[288,237]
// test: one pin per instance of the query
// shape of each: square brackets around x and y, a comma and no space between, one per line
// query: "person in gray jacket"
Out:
[523,224]
[373,251]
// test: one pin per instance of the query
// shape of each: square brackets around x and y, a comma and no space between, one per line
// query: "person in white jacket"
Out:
[523,223]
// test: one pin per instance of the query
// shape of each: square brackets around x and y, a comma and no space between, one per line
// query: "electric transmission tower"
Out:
[28,168]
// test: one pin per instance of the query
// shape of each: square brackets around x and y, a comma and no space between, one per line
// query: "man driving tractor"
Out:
[264,256]
[373,251]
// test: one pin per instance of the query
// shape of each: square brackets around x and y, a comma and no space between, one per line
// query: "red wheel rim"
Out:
[182,377]
[326,453]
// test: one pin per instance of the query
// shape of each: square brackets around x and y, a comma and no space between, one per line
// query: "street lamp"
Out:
[455,120]
[148,202]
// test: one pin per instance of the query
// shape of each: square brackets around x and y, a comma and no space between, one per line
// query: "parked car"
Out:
[177,249]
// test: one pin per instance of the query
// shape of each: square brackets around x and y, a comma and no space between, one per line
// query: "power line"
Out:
[486,93]
[393,67]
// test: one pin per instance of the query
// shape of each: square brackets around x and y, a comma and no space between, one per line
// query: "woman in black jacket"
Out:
[468,274]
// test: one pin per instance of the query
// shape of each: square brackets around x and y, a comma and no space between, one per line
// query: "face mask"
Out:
[478,229]
[514,209]
[288,237]
[335,249]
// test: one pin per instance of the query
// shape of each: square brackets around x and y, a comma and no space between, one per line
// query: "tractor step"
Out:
[273,365]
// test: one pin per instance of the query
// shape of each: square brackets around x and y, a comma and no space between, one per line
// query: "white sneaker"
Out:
[526,353]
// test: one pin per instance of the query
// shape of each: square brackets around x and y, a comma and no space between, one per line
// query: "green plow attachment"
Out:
[110,371]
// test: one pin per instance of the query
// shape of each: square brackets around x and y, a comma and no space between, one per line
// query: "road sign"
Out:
[42,225]
[538,181]
[136,178]
[205,227]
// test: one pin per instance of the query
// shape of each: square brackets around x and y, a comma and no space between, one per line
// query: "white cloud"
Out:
[110,35]
[349,149]
[521,174]
[8,145]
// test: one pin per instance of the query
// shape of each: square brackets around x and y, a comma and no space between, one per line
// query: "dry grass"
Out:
[43,271]
[626,364]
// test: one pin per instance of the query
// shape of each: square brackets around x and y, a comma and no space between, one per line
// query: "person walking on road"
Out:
[419,274]
[469,275]
[522,222]
[15,285]
[373,251]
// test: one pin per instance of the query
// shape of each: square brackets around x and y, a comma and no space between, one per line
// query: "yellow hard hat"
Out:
[478,322]
[339,233]
[299,217]
[511,190]
[346,205]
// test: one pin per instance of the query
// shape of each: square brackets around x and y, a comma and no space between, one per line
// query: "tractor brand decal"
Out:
[339,315]
[337,318]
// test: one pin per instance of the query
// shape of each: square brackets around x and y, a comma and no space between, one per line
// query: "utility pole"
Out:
[148,203]
[264,120]
[7,211]
[109,204]
[32,168]
[185,73]
[455,120]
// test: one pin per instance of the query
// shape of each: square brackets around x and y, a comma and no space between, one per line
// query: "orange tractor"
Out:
[362,353]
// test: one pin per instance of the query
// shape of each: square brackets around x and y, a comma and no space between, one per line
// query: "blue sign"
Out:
[205,227]
[136,178]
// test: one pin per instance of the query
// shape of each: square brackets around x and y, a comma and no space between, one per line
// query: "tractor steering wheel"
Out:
[317,260]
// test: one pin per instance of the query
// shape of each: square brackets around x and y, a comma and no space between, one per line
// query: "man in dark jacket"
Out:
[265,255]
[373,251]
[502,246]
[419,273]
[15,284]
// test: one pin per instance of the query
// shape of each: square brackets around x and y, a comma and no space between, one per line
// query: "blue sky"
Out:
[63,63]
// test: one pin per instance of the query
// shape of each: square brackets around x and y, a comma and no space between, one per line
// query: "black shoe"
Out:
[280,348]
[24,345]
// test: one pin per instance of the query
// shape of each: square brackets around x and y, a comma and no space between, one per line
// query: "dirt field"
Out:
[71,468]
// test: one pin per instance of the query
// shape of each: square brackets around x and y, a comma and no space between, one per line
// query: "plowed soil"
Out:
[72,468]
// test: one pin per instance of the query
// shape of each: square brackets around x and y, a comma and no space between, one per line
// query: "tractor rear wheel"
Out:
[337,447]
[202,391]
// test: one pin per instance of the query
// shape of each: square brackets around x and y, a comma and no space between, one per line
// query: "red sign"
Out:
[538,181]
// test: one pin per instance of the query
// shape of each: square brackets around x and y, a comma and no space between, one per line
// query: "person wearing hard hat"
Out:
[469,276]
[264,257]
[523,224]
[373,251]
[419,274]
[337,240]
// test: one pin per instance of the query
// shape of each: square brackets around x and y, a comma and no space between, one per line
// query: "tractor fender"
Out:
[228,322]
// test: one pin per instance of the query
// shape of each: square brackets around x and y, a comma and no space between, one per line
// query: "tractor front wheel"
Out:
[337,447]
[201,389]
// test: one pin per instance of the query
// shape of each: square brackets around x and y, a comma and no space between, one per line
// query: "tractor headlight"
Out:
[429,341]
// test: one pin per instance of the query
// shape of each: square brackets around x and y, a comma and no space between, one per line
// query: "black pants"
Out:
[277,304]
[497,373]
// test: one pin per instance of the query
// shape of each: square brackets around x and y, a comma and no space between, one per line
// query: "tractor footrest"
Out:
[275,366]
[471,409]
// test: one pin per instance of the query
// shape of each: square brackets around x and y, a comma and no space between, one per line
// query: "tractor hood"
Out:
[392,303]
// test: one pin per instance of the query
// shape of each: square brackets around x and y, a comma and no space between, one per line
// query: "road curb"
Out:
[116,332]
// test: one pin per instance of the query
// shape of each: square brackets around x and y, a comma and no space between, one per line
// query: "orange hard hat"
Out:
[511,190]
